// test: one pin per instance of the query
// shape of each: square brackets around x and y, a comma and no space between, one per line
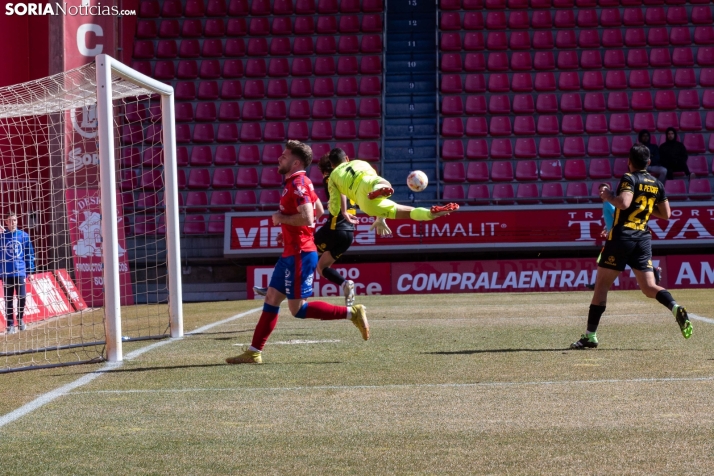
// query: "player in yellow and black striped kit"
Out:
[639,196]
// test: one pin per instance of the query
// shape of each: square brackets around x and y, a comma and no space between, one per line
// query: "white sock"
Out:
[349,313]
[253,349]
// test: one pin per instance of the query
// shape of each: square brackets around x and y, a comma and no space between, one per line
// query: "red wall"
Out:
[24,47]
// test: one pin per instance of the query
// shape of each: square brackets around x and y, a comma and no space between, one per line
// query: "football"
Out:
[417,181]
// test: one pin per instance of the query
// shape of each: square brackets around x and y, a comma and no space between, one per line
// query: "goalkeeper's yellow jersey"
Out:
[345,179]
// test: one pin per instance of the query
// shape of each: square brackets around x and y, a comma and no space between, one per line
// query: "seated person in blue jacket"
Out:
[17,260]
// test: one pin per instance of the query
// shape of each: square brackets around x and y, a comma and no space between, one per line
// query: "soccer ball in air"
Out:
[417,181]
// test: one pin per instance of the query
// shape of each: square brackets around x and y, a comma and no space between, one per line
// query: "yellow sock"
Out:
[421,214]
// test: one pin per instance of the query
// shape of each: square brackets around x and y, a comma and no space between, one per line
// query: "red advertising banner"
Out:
[44,299]
[84,210]
[690,271]
[504,276]
[504,227]
[370,279]
[65,281]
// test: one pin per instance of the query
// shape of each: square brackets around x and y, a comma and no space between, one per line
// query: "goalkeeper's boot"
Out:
[348,288]
[260,291]
[21,324]
[587,341]
[247,357]
[359,319]
[11,330]
[439,210]
[683,320]
[381,192]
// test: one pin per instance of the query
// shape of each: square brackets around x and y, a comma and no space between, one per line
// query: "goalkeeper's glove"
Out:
[380,225]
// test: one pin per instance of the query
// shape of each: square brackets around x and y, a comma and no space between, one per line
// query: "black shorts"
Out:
[619,253]
[334,241]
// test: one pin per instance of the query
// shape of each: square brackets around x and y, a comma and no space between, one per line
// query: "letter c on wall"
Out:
[82,39]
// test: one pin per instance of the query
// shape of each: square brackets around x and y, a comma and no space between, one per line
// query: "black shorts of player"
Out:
[334,241]
[619,253]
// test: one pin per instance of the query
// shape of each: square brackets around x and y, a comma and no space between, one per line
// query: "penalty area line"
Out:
[48,397]
[410,386]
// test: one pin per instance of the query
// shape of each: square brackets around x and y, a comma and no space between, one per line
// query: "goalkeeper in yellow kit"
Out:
[358,181]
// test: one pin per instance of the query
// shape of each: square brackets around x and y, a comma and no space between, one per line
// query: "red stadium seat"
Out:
[274,111]
[575,169]
[598,146]
[477,149]
[452,150]
[572,124]
[705,56]
[676,189]
[635,37]
[644,120]
[683,57]
[527,193]
[501,149]
[667,119]
[600,169]
[503,194]
[525,148]
[547,125]
[543,61]
[690,121]
[304,26]
[547,103]
[520,40]
[694,143]
[521,82]
[323,87]
[476,126]
[589,39]
[526,170]
[684,78]
[550,170]
[524,126]
[478,194]
[477,172]
[347,108]
[576,192]
[698,165]
[452,106]
[574,147]
[679,36]
[621,145]
[496,21]
[236,27]
[612,38]
[475,105]
[569,81]
[149,9]
[368,151]
[633,17]
[454,172]
[641,101]
[618,101]
[523,104]
[620,124]
[498,83]
[500,126]
[565,18]
[201,156]
[321,130]
[248,155]
[615,80]
[704,35]
[453,193]
[473,41]
[549,147]
[199,179]
[346,130]
[542,40]
[299,131]
[496,40]
[541,19]
[369,129]
[552,193]
[699,189]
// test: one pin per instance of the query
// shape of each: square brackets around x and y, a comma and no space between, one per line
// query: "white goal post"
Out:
[107,66]
[88,164]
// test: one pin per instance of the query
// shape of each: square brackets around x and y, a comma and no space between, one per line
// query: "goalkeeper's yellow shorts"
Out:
[379,207]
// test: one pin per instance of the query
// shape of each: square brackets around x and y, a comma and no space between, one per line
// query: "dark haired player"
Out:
[294,271]
[639,195]
[334,238]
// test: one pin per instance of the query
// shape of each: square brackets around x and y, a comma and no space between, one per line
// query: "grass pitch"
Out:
[448,384]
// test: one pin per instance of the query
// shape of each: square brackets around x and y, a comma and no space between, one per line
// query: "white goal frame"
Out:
[106,66]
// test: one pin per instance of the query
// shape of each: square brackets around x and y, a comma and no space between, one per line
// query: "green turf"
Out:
[448,384]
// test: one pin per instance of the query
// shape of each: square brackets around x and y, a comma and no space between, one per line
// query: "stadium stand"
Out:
[617,67]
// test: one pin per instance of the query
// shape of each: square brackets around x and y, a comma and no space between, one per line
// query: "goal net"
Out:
[88,167]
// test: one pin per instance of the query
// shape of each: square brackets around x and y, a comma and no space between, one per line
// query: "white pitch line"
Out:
[407,386]
[700,318]
[65,389]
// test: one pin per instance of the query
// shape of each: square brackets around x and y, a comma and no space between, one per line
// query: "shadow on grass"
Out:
[505,351]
